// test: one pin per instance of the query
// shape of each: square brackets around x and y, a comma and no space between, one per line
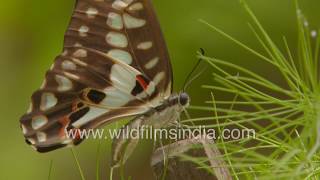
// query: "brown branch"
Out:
[177,169]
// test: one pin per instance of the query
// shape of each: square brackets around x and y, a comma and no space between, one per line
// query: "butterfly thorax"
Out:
[168,112]
[180,101]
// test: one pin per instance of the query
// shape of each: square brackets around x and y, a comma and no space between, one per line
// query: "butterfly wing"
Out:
[114,64]
[126,30]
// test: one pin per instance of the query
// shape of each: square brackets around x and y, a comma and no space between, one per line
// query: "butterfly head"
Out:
[184,99]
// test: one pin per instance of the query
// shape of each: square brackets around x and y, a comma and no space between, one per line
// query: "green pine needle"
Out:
[77,163]
[286,118]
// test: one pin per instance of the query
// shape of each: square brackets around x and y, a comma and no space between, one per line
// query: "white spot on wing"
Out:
[80,53]
[152,63]
[148,92]
[77,45]
[83,31]
[30,109]
[136,7]
[68,65]
[92,12]
[48,100]
[64,53]
[117,39]
[158,78]
[38,122]
[32,141]
[116,98]
[123,81]
[115,21]
[120,55]
[121,4]
[24,129]
[132,22]
[64,83]
[168,90]
[42,137]
[122,78]
[145,45]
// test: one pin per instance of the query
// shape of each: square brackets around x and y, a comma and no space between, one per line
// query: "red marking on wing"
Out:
[144,84]
[64,123]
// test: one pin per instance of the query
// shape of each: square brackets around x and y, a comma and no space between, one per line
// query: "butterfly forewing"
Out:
[114,64]
[126,30]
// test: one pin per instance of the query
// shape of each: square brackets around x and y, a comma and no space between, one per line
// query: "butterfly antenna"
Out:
[187,82]
[195,77]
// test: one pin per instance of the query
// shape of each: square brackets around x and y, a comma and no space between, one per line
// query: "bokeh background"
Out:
[31,35]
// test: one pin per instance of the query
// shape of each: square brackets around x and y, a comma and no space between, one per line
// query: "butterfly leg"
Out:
[124,145]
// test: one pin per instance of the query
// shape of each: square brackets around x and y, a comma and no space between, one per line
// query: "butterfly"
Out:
[114,65]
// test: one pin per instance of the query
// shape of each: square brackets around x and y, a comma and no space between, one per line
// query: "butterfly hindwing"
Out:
[78,95]
[114,64]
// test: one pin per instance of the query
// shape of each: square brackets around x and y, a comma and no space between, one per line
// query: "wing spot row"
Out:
[115,21]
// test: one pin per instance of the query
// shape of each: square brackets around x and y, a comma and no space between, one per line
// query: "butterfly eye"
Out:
[184,99]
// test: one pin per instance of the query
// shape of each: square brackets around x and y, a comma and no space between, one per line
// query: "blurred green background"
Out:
[31,35]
